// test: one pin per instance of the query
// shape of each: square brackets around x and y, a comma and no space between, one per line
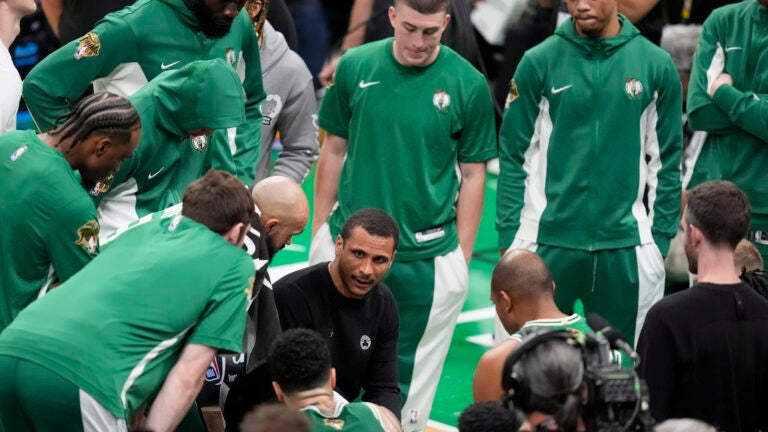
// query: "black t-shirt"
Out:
[704,355]
[361,334]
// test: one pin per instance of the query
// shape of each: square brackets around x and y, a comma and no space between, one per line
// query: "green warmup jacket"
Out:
[130,47]
[733,40]
[592,126]
[203,94]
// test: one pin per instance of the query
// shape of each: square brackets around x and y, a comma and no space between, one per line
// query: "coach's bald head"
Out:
[521,288]
[284,210]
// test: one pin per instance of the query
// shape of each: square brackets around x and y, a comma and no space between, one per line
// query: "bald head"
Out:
[281,197]
[523,275]
[284,210]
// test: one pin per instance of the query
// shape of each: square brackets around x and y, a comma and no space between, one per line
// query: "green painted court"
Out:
[475,323]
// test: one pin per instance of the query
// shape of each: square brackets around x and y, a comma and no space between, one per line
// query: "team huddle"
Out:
[139,222]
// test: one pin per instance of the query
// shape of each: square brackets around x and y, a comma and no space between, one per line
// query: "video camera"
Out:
[616,398]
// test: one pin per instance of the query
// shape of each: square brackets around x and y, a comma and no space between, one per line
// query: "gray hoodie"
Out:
[290,108]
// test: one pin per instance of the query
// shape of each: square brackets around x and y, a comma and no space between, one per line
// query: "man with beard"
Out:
[130,47]
[239,382]
[49,229]
[345,301]
[141,322]
[704,350]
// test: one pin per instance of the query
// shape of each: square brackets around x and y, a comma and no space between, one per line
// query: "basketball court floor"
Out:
[473,331]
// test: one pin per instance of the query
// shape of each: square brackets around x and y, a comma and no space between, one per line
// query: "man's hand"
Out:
[722,79]
[326,74]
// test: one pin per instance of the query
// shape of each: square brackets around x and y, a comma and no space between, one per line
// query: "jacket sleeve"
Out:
[62,77]
[248,136]
[515,137]
[745,109]
[664,166]
[380,381]
[297,125]
[708,63]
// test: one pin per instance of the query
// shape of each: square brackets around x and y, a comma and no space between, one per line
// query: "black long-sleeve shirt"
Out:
[361,334]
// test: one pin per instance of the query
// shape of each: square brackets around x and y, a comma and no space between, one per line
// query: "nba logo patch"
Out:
[230,54]
[213,373]
[413,416]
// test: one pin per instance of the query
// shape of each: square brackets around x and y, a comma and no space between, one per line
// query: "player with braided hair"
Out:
[49,228]
[749,264]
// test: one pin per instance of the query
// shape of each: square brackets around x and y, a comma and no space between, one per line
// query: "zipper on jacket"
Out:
[596,88]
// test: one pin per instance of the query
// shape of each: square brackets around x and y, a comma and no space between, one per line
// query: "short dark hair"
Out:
[374,221]
[218,200]
[98,114]
[720,210]
[426,6]
[274,417]
[300,360]
[488,416]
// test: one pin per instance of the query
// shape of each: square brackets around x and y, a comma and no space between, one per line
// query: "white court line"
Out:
[442,427]
[484,340]
[476,315]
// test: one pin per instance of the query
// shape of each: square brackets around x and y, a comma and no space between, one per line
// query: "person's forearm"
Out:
[469,208]
[180,389]
[358,20]
[329,166]
[172,403]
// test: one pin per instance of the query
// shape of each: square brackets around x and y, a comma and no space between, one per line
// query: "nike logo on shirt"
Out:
[154,174]
[364,84]
[560,89]
[164,66]
[733,48]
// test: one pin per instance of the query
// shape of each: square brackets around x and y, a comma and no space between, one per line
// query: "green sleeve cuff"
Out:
[662,242]
[726,97]
[506,237]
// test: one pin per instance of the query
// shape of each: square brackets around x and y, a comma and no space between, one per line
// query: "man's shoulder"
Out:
[673,302]
[730,10]
[551,47]
[308,276]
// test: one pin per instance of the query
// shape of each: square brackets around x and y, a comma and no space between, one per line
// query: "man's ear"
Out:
[554,287]
[233,234]
[269,226]
[102,145]
[339,245]
[278,391]
[507,301]
[695,234]
[392,15]
[332,378]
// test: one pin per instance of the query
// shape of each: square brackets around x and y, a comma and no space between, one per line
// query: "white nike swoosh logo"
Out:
[733,48]
[364,84]
[164,66]
[558,90]
[154,174]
